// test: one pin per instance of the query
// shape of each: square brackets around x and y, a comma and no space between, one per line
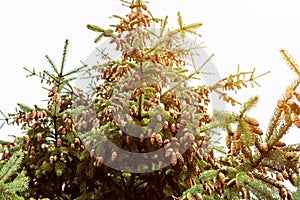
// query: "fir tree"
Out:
[51,142]
[258,164]
[143,103]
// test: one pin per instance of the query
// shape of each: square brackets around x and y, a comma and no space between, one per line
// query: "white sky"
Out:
[249,33]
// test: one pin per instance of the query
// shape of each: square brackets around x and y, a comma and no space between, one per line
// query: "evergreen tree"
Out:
[81,145]
[144,104]
[51,142]
[258,164]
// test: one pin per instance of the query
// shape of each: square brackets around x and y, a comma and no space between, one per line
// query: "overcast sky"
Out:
[245,33]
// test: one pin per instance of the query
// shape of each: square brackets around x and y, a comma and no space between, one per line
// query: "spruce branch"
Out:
[10,185]
[172,33]
[292,147]
[52,64]
[290,61]
[246,136]
[5,119]
[188,77]
[10,167]
[259,188]
[248,105]
[268,180]
[163,26]
[277,116]
[274,121]
[103,32]
[235,82]
[19,184]
[283,129]
[63,59]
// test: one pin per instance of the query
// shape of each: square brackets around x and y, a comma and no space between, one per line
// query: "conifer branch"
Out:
[248,105]
[63,58]
[290,61]
[267,179]
[9,185]
[275,119]
[235,82]
[282,131]
[255,186]
[52,64]
[163,26]
[10,167]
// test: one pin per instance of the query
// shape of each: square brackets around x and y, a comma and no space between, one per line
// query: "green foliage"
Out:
[142,103]
[258,166]
[257,187]
[12,180]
